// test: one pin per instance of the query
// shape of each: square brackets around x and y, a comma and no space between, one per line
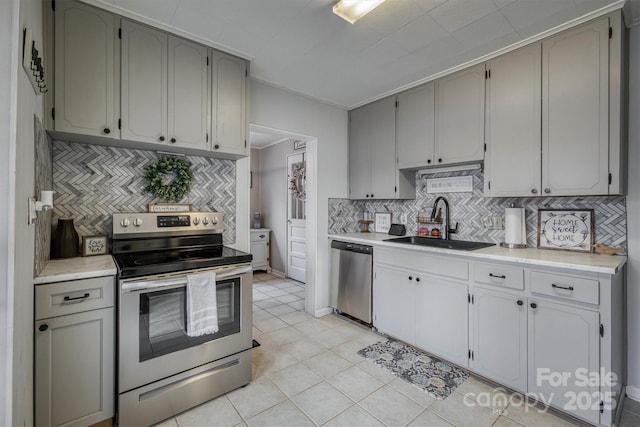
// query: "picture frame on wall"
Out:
[381,222]
[566,229]
[95,245]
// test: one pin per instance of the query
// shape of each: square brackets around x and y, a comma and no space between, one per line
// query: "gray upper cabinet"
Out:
[188,110]
[144,83]
[86,76]
[459,116]
[575,111]
[415,127]
[512,160]
[372,153]
[165,86]
[229,104]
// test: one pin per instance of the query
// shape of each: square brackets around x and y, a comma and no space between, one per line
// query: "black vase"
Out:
[64,241]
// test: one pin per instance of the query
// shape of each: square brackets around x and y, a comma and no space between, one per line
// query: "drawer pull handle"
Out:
[566,288]
[262,236]
[497,276]
[85,296]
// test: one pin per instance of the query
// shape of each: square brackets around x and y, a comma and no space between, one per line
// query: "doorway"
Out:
[296,216]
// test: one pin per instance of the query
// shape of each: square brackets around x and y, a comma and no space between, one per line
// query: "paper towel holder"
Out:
[515,245]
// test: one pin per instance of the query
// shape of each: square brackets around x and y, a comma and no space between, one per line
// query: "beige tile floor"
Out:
[307,373]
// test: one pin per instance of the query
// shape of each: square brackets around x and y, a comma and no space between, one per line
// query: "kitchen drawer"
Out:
[74,296]
[417,260]
[499,275]
[579,289]
[262,236]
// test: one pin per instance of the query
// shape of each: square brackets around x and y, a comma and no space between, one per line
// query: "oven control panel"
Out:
[156,222]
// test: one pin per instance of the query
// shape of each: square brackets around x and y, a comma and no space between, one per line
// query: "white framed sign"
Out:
[382,222]
[566,229]
[452,184]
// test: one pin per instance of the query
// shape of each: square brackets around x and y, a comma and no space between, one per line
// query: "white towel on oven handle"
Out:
[202,304]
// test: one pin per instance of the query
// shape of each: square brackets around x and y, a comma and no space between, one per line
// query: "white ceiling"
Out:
[302,46]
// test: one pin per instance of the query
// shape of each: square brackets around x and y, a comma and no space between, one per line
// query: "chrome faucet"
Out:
[447,229]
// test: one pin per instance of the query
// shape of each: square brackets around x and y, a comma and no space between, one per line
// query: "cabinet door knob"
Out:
[161,138]
[428,160]
[439,160]
[107,131]
[547,191]
[534,305]
[410,277]
[417,279]
[43,327]
[216,146]
[534,191]
[519,302]
[372,195]
[173,140]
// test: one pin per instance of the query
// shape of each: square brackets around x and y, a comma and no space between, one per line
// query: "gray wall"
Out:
[633,209]
[8,68]
[273,196]
[254,191]
[28,104]
[278,109]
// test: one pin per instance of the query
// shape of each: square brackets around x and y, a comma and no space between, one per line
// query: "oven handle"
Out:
[178,281]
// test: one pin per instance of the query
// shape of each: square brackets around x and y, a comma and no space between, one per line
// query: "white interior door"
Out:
[296,216]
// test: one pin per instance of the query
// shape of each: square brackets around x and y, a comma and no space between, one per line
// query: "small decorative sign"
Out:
[299,145]
[382,222]
[566,229]
[94,245]
[452,184]
[169,207]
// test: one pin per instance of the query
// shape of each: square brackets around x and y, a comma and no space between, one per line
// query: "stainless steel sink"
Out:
[462,245]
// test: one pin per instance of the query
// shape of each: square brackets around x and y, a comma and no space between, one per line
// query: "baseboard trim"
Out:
[323,312]
[277,273]
[633,393]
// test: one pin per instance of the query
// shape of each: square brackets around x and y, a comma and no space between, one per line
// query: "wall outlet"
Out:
[493,222]
[403,218]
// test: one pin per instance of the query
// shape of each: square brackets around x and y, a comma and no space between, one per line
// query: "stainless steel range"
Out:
[162,370]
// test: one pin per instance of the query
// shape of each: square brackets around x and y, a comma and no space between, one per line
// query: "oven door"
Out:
[153,340]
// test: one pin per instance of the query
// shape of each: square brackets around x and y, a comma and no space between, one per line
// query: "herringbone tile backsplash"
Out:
[471,209]
[92,182]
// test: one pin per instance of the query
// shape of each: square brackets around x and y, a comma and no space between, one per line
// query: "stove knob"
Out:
[125,222]
[196,221]
[205,221]
[214,220]
[137,222]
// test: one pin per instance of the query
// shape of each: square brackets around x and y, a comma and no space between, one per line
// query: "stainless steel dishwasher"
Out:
[351,266]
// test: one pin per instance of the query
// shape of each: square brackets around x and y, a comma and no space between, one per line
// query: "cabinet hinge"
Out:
[601,330]
[119,33]
[610,179]
[53,114]
[610,32]
[119,123]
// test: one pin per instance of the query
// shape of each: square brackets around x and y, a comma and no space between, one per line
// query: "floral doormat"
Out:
[429,373]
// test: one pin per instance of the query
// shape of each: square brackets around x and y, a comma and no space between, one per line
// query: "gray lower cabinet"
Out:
[74,352]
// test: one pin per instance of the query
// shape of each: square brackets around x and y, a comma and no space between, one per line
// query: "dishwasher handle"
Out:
[351,247]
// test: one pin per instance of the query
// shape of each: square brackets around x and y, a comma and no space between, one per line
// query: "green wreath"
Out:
[169,178]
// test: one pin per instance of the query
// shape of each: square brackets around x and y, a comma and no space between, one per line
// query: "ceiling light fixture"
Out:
[352,10]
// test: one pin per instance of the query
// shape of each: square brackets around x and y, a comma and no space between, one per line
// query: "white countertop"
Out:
[606,264]
[62,270]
